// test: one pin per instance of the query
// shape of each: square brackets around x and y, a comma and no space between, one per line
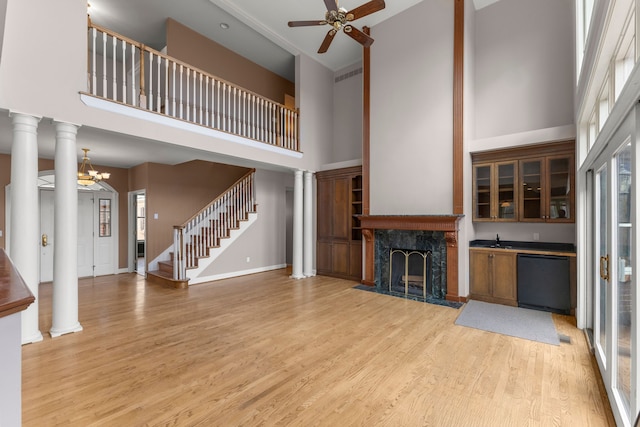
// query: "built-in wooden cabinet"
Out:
[493,276]
[528,184]
[339,247]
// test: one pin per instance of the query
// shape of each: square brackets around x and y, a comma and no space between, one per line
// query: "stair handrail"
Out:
[237,200]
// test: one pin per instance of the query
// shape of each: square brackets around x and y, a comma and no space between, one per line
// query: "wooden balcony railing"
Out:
[128,72]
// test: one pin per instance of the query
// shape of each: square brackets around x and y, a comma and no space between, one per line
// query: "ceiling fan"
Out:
[339,18]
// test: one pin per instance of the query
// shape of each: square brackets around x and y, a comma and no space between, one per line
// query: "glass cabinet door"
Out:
[506,191]
[531,192]
[560,189]
[482,192]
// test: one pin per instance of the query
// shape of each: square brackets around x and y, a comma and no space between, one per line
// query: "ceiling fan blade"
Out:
[365,9]
[358,36]
[305,23]
[327,41]
[331,4]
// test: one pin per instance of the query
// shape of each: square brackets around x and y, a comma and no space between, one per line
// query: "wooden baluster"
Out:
[200,104]
[235,107]
[194,115]
[218,104]
[166,86]
[159,86]
[114,78]
[296,129]
[133,79]
[94,74]
[186,102]
[181,99]
[173,89]
[225,114]
[124,71]
[150,97]
[104,65]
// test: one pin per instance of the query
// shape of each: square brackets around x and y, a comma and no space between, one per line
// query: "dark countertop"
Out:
[525,246]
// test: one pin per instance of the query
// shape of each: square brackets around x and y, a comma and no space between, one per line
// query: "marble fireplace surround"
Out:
[448,224]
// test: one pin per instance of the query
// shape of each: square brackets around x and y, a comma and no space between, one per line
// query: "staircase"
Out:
[202,238]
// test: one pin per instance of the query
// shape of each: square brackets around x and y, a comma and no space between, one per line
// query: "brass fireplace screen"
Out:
[410,272]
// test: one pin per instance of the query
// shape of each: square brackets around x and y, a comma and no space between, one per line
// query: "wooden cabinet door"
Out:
[323,257]
[505,190]
[504,276]
[480,273]
[559,189]
[482,194]
[532,199]
[341,207]
[340,257]
[325,197]
[355,259]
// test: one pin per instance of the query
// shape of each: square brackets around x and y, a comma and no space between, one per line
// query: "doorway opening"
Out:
[138,202]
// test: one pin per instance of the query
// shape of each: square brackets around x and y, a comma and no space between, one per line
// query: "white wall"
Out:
[523,66]
[347,113]
[264,242]
[412,111]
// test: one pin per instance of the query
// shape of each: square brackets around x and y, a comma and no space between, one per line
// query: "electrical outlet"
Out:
[155,216]
[536,236]
[248,259]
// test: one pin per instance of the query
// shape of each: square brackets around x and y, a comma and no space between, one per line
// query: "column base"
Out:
[36,337]
[54,332]
[297,276]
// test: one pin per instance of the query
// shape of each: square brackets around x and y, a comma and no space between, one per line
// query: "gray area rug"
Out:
[513,321]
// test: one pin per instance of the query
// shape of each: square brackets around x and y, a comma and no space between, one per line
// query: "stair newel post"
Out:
[177,252]
[253,192]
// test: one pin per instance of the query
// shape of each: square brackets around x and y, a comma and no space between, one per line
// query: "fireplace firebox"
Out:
[410,272]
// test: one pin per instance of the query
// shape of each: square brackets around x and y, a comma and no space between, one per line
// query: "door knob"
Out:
[44,240]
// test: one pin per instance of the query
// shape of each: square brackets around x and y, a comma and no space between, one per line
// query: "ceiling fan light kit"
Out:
[339,19]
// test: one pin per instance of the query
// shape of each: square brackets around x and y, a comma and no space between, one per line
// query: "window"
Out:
[105,218]
[603,104]
[625,56]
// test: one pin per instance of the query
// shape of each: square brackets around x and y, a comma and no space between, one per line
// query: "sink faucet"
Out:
[497,240]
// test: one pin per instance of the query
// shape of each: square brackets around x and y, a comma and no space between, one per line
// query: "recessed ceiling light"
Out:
[224,25]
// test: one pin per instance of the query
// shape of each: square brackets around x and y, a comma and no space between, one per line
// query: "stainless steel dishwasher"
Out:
[544,283]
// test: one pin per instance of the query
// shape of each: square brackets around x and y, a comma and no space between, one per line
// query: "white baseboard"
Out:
[215,277]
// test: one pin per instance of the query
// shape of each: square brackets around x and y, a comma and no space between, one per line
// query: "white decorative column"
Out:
[296,270]
[25,215]
[308,225]
[64,314]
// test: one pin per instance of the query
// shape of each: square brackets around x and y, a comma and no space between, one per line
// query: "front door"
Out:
[88,220]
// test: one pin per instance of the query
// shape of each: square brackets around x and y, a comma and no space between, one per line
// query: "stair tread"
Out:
[166,279]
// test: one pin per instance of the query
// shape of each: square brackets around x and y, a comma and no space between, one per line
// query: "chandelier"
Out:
[91,176]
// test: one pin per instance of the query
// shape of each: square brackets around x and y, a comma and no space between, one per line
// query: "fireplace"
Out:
[434,237]
[410,272]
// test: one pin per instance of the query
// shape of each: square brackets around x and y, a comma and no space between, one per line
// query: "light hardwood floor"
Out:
[267,350]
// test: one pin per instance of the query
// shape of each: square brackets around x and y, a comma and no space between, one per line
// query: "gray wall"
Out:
[347,114]
[524,64]
[11,370]
[412,111]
